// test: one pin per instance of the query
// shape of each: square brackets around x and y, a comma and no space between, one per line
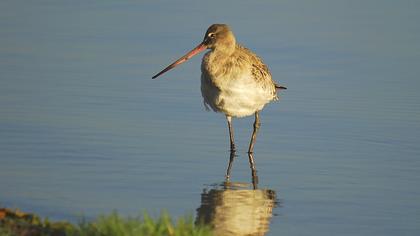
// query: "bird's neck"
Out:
[219,61]
[221,55]
[225,49]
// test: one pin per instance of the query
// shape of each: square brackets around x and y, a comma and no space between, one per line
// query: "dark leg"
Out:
[253,170]
[232,141]
[232,157]
[257,125]
[232,147]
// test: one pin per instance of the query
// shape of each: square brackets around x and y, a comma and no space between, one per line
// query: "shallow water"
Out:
[84,129]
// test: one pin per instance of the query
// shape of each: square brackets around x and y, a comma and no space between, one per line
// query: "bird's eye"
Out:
[211,35]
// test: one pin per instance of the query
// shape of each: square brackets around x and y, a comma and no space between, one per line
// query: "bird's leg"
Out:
[231,158]
[253,170]
[257,125]
[232,147]
[232,141]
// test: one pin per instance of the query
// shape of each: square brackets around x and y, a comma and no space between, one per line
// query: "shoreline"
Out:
[16,222]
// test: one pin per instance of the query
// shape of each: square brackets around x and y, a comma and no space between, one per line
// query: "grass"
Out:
[14,222]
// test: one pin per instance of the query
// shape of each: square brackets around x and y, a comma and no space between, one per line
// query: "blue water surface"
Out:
[84,130]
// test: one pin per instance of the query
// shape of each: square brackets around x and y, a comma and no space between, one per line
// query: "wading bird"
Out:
[234,80]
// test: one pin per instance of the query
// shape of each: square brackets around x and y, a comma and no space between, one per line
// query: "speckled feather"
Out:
[237,84]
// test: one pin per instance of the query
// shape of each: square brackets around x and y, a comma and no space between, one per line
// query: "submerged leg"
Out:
[231,158]
[253,170]
[232,147]
[257,125]
[232,141]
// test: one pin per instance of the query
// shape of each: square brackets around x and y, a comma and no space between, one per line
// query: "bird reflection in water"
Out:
[251,166]
[233,208]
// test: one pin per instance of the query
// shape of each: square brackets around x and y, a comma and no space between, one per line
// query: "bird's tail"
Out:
[279,87]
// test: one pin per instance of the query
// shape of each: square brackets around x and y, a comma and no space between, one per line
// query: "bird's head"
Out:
[218,37]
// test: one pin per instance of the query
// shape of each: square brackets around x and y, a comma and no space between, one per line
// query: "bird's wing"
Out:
[260,70]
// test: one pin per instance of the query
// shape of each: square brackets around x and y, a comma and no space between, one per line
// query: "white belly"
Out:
[236,97]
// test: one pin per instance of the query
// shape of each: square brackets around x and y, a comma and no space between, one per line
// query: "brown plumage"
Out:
[234,80]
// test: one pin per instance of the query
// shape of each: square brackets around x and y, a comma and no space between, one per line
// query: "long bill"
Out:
[201,47]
